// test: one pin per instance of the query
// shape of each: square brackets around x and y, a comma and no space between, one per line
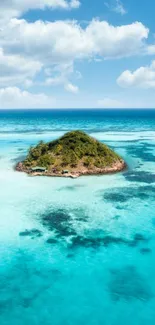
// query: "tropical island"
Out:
[72,155]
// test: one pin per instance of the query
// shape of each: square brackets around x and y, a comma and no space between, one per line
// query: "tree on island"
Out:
[76,151]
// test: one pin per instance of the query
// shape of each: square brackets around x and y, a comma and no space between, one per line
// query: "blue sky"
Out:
[77,53]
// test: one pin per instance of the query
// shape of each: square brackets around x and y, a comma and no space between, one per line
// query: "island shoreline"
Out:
[117,168]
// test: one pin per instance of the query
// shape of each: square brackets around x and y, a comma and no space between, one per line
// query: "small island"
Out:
[73,155]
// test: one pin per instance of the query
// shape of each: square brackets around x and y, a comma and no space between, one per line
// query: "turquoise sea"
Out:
[78,251]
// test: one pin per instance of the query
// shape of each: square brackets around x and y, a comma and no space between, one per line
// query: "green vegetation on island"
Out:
[75,152]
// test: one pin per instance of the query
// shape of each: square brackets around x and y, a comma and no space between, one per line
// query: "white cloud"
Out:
[62,41]
[119,8]
[13,97]
[71,88]
[55,46]
[114,42]
[56,81]
[116,6]
[68,86]
[151,49]
[28,83]
[62,76]
[75,4]
[59,75]
[126,102]
[110,103]
[144,77]
[15,8]
[14,69]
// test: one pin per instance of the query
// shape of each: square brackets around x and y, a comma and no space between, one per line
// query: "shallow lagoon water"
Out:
[78,251]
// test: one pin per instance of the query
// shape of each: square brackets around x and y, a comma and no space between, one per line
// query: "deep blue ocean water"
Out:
[78,251]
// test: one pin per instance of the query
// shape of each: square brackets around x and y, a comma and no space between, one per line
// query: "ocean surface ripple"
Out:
[78,251]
